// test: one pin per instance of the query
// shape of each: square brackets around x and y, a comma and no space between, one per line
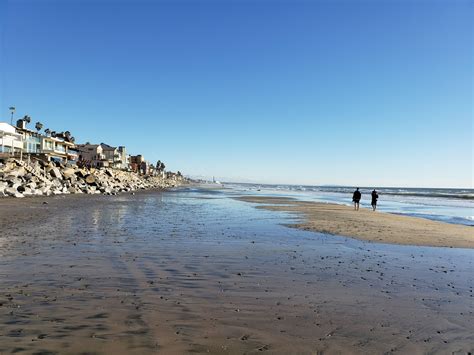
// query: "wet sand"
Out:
[369,225]
[198,272]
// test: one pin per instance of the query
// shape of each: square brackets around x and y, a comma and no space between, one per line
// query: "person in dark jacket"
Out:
[356,199]
[375,196]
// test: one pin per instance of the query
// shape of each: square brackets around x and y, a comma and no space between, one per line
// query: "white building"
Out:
[11,142]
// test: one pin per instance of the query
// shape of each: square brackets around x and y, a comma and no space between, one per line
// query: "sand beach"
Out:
[195,271]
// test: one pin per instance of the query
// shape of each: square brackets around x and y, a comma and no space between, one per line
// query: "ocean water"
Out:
[447,205]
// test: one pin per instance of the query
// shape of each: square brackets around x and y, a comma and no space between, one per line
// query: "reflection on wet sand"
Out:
[175,273]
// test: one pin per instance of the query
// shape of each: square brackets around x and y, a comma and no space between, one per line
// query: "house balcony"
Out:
[54,151]
[12,143]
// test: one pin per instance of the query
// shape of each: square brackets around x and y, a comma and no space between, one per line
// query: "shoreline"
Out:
[365,224]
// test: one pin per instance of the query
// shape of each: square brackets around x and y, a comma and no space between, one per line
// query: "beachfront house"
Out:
[58,149]
[11,142]
[116,156]
[92,155]
[31,139]
[123,158]
[111,154]
[102,156]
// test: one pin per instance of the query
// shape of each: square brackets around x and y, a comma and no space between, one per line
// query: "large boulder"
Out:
[32,185]
[16,185]
[45,189]
[28,192]
[90,179]
[16,172]
[106,190]
[37,192]
[3,186]
[54,172]
[74,190]
[69,172]
[12,179]
[9,166]
[82,173]
[10,191]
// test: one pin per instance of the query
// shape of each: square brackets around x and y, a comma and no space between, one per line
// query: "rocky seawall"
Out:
[38,178]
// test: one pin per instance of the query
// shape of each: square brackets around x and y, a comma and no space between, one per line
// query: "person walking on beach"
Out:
[375,196]
[356,199]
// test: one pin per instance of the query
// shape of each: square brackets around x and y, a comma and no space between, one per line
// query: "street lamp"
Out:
[12,110]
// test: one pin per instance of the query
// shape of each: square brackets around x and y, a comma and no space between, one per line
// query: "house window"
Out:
[48,145]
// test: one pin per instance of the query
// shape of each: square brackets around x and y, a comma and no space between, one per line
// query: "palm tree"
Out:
[53,133]
[12,110]
[38,126]
[47,131]
[160,166]
[27,119]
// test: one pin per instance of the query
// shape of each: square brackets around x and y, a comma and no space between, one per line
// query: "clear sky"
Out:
[371,93]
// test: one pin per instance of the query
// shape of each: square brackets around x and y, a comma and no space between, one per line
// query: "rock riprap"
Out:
[38,178]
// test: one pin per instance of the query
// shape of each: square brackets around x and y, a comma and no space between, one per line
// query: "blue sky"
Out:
[373,93]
